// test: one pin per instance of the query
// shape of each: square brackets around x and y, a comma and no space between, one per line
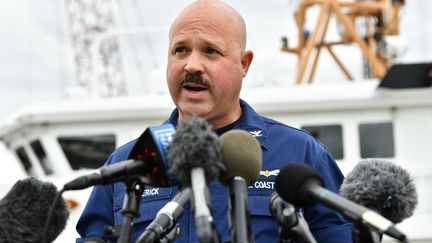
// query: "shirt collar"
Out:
[253,123]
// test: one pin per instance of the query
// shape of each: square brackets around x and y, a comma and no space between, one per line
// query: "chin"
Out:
[194,109]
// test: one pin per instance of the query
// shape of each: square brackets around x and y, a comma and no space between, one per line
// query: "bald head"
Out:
[207,62]
[213,12]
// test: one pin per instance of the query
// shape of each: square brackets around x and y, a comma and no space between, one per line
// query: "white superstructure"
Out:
[355,120]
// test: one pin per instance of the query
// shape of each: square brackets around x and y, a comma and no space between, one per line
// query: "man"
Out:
[207,61]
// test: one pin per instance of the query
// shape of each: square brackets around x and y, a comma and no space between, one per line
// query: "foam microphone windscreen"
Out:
[24,211]
[242,156]
[194,145]
[292,182]
[381,186]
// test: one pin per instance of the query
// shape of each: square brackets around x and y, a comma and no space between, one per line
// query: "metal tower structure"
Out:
[98,64]
[381,18]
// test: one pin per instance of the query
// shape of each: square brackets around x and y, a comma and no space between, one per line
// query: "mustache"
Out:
[194,78]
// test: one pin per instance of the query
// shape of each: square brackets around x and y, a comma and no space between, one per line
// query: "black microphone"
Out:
[242,157]
[147,160]
[195,158]
[293,226]
[166,218]
[24,210]
[108,174]
[301,185]
[383,187]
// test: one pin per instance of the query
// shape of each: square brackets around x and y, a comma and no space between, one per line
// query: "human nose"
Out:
[194,64]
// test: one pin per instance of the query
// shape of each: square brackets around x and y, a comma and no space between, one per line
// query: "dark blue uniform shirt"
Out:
[281,144]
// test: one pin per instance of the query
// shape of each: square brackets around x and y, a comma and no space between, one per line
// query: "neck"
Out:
[222,120]
[227,118]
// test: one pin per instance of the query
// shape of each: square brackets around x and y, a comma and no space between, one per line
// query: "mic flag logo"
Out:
[163,135]
[151,147]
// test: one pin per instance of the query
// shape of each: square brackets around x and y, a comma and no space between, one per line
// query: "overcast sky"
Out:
[36,63]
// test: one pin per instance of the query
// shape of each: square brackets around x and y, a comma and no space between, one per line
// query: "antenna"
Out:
[98,74]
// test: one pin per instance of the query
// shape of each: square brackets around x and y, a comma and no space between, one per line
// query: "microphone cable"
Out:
[50,214]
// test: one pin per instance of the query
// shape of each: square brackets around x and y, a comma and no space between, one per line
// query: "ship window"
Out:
[330,136]
[376,140]
[42,156]
[25,161]
[87,151]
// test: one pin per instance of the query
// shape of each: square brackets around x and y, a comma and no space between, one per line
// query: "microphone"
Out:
[195,158]
[242,157]
[293,225]
[166,218]
[383,187]
[108,174]
[24,209]
[301,185]
[147,160]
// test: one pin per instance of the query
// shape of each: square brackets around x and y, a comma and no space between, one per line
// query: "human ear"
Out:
[246,61]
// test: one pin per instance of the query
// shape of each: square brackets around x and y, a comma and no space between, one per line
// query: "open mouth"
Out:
[194,88]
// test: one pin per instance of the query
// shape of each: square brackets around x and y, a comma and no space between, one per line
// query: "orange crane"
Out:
[382,17]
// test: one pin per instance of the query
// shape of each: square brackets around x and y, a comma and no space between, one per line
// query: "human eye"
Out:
[180,50]
[211,51]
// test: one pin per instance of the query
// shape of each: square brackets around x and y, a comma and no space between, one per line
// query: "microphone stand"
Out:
[294,227]
[205,227]
[130,209]
[288,220]
[239,213]
[171,235]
